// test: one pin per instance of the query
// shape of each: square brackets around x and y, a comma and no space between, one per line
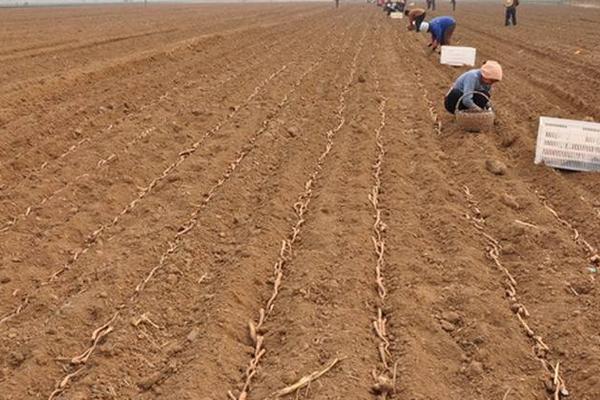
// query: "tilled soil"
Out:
[208,202]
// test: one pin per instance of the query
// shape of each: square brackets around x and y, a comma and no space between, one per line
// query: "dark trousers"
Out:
[452,99]
[418,21]
[511,15]
[454,6]
[445,40]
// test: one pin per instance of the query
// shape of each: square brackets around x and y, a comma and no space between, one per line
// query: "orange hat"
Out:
[492,70]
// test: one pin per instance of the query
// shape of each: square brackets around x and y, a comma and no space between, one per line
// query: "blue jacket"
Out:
[438,26]
[470,81]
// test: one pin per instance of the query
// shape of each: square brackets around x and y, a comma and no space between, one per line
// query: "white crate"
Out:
[568,144]
[458,56]
[396,15]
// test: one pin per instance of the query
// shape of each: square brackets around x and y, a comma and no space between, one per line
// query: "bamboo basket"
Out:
[474,121]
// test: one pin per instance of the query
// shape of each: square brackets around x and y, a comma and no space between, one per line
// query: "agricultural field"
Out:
[213,202]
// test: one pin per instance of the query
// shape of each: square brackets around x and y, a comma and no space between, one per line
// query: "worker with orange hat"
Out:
[472,87]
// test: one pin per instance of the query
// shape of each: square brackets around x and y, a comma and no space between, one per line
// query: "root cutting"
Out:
[540,349]
[16,312]
[589,250]
[97,335]
[382,386]
[304,381]
[62,384]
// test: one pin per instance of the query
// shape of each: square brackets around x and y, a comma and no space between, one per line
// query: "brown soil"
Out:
[203,202]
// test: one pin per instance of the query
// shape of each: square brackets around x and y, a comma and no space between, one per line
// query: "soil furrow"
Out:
[180,231]
[99,171]
[95,231]
[301,327]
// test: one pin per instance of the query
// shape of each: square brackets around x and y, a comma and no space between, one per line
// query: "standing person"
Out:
[428,4]
[415,18]
[453,5]
[476,80]
[441,29]
[337,3]
[511,12]
[432,5]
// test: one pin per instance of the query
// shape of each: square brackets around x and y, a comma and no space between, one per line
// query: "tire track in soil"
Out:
[525,247]
[220,182]
[29,210]
[284,332]
[98,230]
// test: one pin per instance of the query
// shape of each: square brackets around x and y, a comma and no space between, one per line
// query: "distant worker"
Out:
[393,6]
[415,18]
[337,3]
[453,5]
[511,12]
[388,7]
[400,5]
[431,4]
[470,84]
[441,30]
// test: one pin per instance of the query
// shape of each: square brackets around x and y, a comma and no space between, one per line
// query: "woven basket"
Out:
[474,121]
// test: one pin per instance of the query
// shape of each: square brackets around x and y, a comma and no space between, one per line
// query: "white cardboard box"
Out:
[396,15]
[568,144]
[457,56]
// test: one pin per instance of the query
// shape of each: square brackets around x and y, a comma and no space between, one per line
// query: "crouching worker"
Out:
[416,16]
[468,84]
[441,29]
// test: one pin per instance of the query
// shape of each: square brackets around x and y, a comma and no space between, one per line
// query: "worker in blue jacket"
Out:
[473,88]
[441,29]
